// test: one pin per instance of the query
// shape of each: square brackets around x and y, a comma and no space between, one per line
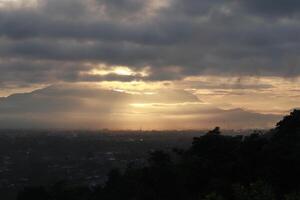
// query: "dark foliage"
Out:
[215,167]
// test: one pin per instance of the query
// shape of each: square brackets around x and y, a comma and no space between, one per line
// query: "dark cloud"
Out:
[199,37]
[122,8]
[273,7]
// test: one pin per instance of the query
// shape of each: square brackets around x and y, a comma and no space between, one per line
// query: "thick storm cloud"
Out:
[52,40]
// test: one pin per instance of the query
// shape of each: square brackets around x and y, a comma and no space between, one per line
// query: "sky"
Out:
[148,64]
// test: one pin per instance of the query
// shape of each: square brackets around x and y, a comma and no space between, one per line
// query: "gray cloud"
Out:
[273,7]
[200,37]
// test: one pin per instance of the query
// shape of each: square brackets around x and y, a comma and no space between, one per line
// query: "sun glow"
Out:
[118,70]
[123,71]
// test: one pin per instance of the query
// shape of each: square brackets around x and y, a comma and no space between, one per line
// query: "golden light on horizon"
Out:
[155,104]
[264,94]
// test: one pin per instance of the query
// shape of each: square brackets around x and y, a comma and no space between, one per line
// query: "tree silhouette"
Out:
[34,193]
[215,131]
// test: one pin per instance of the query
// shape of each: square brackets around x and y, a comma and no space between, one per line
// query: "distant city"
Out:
[32,157]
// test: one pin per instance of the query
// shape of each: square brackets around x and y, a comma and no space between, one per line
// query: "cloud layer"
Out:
[46,40]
